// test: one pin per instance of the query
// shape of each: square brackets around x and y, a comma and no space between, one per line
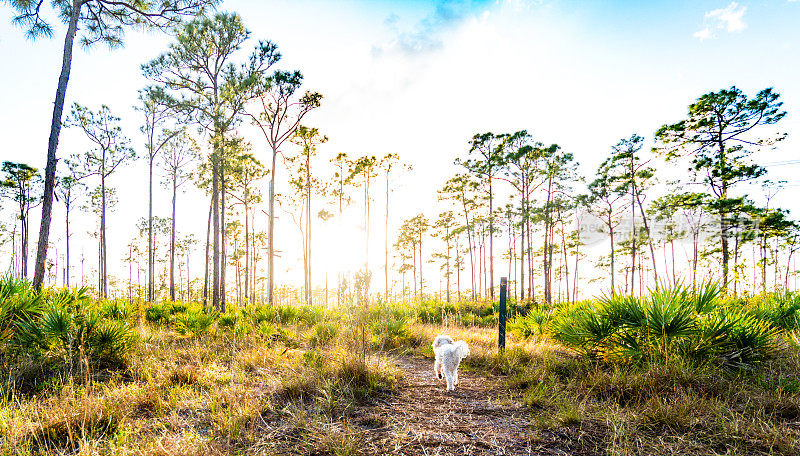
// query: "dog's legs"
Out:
[455,377]
[437,368]
[449,376]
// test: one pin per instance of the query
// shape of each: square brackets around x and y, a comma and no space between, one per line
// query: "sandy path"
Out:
[424,418]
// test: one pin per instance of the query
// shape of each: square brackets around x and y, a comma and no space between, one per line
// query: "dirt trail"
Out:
[424,418]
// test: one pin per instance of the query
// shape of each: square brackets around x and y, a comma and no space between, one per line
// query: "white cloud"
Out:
[730,19]
[520,5]
[426,35]
[703,34]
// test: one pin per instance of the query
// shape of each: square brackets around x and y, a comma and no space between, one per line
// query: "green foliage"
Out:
[322,334]
[781,310]
[195,321]
[266,329]
[341,380]
[228,320]
[287,314]
[391,330]
[310,315]
[258,314]
[535,322]
[117,309]
[62,325]
[19,305]
[465,313]
[670,322]
[159,312]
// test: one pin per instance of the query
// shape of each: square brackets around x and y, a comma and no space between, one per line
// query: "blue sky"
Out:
[419,78]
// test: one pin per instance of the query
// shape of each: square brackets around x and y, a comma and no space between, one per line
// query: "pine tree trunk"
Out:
[448,264]
[308,227]
[386,243]
[735,263]
[566,264]
[247,251]
[722,217]
[575,275]
[546,260]
[522,256]
[208,244]
[421,288]
[104,280]
[458,272]
[633,230]
[695,254]
[414,248]
[471,249]
[763,264]
[150,255]
[172,240]
[215,228]
[52,145]
[529,248]
[649,238]
[66,235]
[611,235]
[223,263]
[23,221]
[491,241]
[271,232]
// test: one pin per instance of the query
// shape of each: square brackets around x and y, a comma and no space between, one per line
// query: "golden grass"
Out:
[220,394]
[187,395]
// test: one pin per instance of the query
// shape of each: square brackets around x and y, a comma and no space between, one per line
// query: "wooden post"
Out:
[501,339]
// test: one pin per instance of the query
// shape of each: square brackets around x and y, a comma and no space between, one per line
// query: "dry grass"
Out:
[219,394]
[183,395]
[668,409]
[677,408]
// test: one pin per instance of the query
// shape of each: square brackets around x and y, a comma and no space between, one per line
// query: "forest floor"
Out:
[218,395]
[479,417]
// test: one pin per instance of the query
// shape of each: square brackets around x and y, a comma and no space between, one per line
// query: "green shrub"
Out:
[258,314]
[535,322]
[781,310]
[310,315]
[66,330]
[159,312]
[117,310]
[669,322]
[195,321]
[266,329]
[322,334]
[242,328]
[391,331]
[287,314]
[228,320]
[19,305]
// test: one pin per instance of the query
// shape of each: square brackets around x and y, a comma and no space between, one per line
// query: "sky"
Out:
[419,78]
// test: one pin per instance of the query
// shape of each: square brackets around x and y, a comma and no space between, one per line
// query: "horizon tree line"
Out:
[510,185]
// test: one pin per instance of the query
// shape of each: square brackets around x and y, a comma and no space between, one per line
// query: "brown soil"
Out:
[478,418]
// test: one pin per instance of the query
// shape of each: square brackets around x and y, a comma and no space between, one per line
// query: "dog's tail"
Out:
[462,349]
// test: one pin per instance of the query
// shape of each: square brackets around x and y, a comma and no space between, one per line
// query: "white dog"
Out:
[448,356]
